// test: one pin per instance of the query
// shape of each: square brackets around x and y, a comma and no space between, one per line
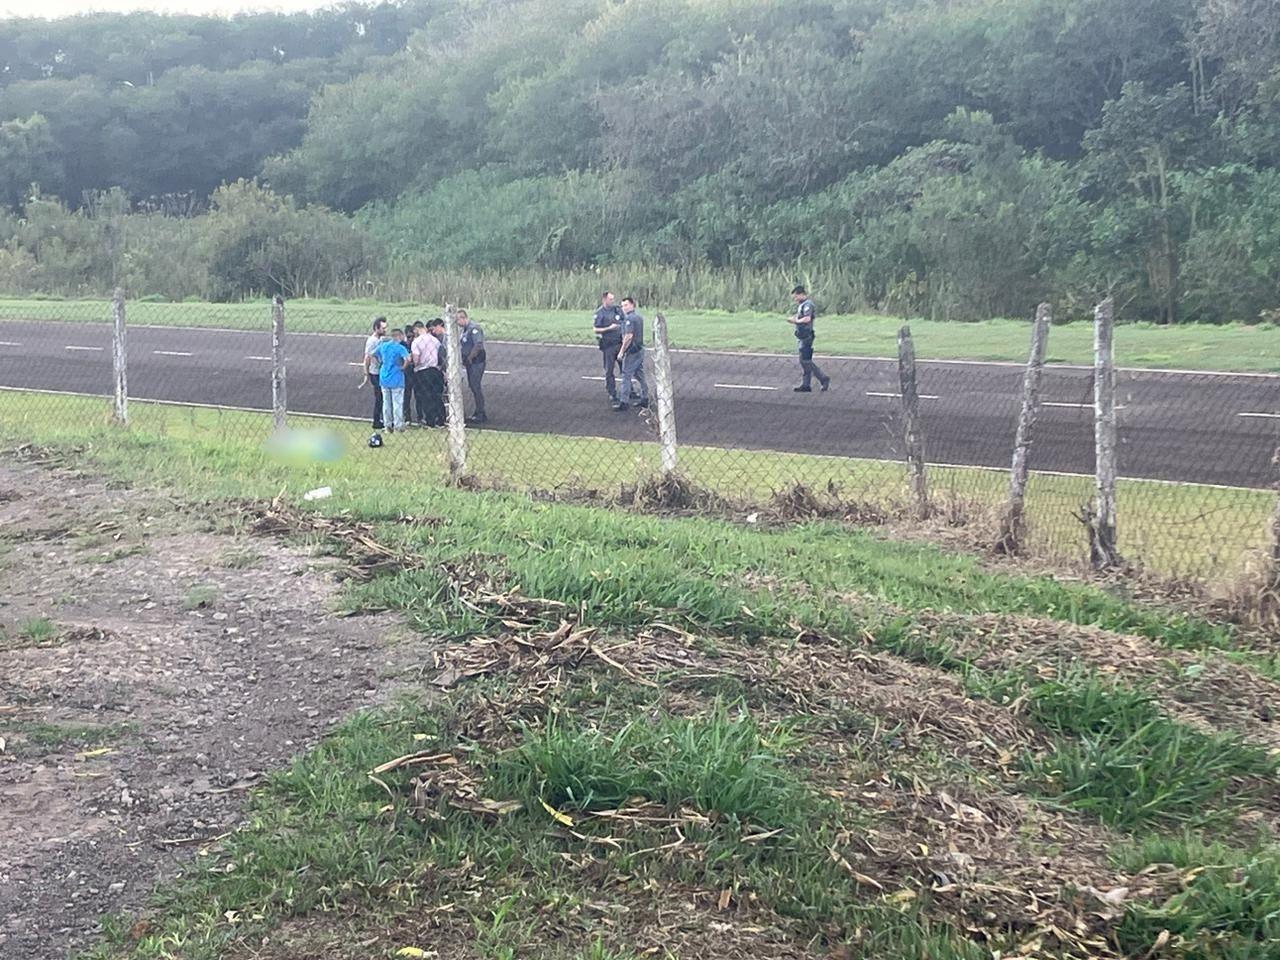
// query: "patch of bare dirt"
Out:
[154,671]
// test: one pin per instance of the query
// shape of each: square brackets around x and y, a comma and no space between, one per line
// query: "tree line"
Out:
[953,158]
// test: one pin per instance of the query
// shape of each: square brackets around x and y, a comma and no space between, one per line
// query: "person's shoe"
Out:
[478,420]
[802,389]
[641,404]
[826,385]
[621,407]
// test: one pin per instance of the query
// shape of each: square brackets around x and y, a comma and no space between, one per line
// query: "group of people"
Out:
[619,333]
[406,369]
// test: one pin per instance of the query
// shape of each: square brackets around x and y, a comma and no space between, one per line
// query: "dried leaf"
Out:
[99,752]
[725,896]
[411,952]
[557,815]
[901,896]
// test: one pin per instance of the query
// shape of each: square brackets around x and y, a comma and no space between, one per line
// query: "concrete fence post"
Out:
[456,416]
[279,400]
[119,358]
[1013,525]
[664,388]
[912,431]
[1103,552]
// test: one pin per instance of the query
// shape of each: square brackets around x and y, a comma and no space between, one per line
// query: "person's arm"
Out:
[368,359]
[477,344]
[626,341]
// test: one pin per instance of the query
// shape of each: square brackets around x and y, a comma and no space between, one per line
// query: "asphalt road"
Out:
[1197,427]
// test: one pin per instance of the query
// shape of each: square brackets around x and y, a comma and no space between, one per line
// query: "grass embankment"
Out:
[1174,530]
[1233,347]
[689,738]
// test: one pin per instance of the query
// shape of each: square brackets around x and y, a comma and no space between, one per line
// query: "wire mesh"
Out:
[1196,449]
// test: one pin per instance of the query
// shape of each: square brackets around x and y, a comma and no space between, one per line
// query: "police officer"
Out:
[608,330]
[803,324]
[471,345]
[631,357]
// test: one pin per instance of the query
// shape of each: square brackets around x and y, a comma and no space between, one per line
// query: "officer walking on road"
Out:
[803,323]
[608,330]
[631,356]
[471,344]
[372,367]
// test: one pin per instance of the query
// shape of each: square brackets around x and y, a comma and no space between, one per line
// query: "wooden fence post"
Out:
[1103,553]
[913,435]
[119,358]
[1013,526]
[279,402]
[456,415]
[663,387]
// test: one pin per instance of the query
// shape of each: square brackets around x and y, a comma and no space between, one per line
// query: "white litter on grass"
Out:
[319,493]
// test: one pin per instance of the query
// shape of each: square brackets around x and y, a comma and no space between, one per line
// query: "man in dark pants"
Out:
[631,357]
[471,344]
[373,367]
[608,330]
[429,390]
[803,323]
[411,331]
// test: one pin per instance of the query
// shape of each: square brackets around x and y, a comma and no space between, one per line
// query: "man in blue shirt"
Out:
[806,312]
[392,357]
[631,356]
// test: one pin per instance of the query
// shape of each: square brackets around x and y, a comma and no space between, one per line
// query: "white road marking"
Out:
[264,359]
[898,396]
[499,373]
[172,353]
[601,379]
[1260,416]
[740,386]
[9,343]
[353,363]
[1075,406]
[89,349]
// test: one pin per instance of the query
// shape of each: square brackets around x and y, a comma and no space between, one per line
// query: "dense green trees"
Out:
[956,157]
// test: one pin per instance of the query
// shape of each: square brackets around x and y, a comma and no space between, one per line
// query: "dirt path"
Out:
[153,671]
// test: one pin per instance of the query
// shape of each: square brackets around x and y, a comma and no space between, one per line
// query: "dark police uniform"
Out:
[609,342]
[632,362]
[473,337]
[805,335]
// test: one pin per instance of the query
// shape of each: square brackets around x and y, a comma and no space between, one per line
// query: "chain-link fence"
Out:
[1195,494]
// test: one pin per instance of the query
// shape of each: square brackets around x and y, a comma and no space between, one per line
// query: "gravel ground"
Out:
[153,671]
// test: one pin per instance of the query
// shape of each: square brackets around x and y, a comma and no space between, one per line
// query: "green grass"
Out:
[619,566]
[1175,530]
[39,630]
[718,764]
[1190,347]
[200,596]
[1228,907]
[44,736]
[1121,759]
[320,837]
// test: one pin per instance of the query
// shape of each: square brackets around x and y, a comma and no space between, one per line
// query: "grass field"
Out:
[1229,347]
[1173,530]
[692,738]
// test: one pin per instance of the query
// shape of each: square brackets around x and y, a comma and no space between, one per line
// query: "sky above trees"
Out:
[51,9]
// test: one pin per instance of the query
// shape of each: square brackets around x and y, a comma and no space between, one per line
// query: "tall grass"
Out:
[660,286]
